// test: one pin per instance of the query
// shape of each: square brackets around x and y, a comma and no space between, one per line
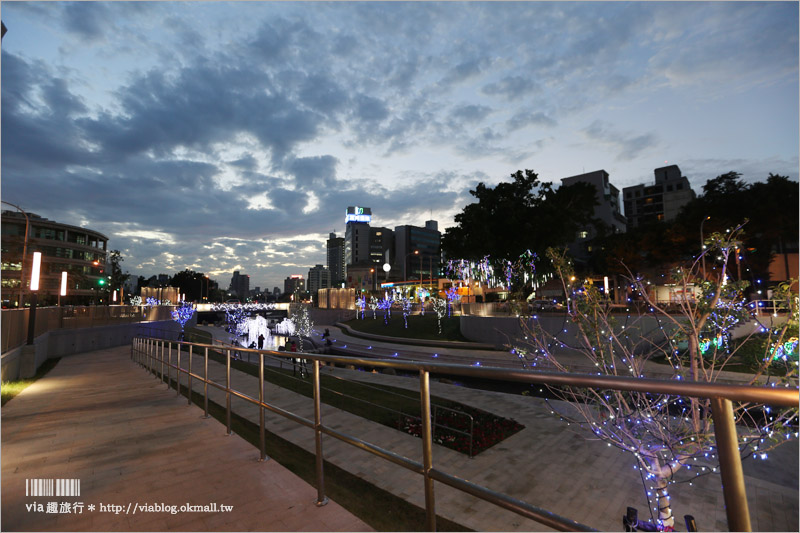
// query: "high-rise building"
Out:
[293,284]
[660,201]
[240,285]
[381,246]
[357,235]
[336,264]
[319,277]
[425,263]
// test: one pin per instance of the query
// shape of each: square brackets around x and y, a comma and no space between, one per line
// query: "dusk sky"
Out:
[233,136]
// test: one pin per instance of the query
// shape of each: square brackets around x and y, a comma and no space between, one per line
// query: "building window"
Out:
[679,186]
[669,188]
[583,234]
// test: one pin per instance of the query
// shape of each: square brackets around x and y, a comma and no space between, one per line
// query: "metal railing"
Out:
[150,353]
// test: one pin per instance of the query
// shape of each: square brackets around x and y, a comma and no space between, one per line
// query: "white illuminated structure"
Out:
[35,270]
[257,326]
[63,284]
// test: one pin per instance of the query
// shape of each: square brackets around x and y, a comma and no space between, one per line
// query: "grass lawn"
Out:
[9,389]
[419,327]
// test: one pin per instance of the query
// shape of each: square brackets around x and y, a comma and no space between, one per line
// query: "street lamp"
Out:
[24,252]
[373,275]
[37,264]
[703,247]
[63,291]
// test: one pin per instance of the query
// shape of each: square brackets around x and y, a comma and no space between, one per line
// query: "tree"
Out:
[118,279]
[524,214]
[670,438]
[190,283]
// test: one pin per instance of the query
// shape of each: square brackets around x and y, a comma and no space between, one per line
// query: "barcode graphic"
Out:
[52,487]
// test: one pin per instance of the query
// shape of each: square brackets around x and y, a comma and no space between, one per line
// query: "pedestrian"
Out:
[261,341]
[327,333]
[293,347]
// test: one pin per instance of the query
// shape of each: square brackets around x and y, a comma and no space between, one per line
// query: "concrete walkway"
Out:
[99,418]
[548,464]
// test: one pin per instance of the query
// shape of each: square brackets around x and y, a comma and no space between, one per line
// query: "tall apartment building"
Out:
[607,209]
[660,201]
[240,285]
[319,277]
[427,242]
[335,254]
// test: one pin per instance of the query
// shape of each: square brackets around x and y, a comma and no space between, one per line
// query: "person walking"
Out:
[261,341]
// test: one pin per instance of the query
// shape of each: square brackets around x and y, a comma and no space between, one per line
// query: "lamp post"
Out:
[24,252]
[703,247]
[63,291]
[37,263]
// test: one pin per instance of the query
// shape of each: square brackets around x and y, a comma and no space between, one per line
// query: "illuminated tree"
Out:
[182,315]
[670,438]
[303,325]
[440,308]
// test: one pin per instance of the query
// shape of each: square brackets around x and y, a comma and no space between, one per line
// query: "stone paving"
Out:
[548,464]
[98,417]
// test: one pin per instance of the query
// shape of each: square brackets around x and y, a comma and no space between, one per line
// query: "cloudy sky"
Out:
[232,136]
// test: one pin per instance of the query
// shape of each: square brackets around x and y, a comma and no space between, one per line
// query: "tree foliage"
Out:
[523,214]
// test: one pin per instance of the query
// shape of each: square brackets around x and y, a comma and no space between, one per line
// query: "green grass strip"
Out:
[9,389]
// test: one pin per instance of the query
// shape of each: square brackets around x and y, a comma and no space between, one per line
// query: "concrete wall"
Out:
[22,362]
[504,331]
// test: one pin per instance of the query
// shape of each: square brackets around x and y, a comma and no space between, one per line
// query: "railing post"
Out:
[169,364]
[162,361]
[205,386]
[262,439]
[189,375]
[228,391]
[321,498]
[730,465]
[427,448]
[178,370]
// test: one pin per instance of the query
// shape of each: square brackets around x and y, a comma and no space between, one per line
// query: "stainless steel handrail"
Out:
[145,351]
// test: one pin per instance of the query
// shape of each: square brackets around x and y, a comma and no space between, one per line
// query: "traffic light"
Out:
[101,282]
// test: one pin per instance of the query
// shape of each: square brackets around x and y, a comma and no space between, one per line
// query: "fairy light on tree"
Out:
[671,438]
[385,304]
[373,305]
[406,303]
[303,326]
[440,308]
[361,303]
[182,315]
[452,296]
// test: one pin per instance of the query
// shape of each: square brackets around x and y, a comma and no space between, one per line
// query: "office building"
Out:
[660,201]
[357,235]
[293,284]
[426,242]
[80,252]
[335,255]
[319,277]
[240,285]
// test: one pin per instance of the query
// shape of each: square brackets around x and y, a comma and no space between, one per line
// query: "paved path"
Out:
[548,464]
[100,418]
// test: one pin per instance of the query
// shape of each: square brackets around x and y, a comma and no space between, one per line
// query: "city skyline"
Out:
[233,136]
